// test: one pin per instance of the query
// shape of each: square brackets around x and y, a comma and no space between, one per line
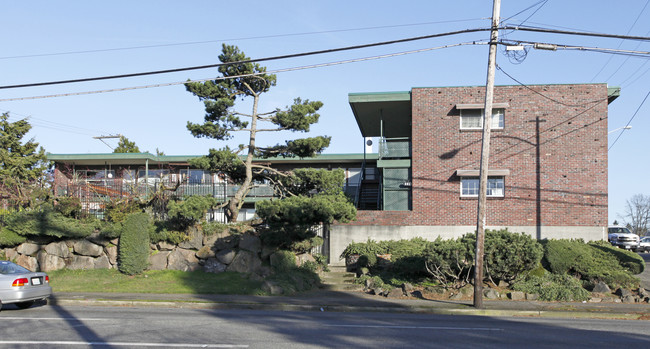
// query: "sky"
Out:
[51,41]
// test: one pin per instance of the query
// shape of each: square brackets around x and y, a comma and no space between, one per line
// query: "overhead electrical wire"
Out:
[246,75]
[239,39]
[630,121]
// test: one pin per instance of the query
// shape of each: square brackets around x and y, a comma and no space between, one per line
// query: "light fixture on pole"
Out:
[620,128]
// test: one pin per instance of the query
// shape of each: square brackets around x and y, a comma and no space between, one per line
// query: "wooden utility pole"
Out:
[485,157]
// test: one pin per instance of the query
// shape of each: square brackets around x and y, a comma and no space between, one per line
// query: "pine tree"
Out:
[242,79]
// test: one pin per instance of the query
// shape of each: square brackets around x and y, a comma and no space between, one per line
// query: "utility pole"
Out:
[101,138]
[485,156]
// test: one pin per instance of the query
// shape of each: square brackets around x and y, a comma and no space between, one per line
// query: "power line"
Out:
[245,75]
[578,33]
[238,39]
[630,121]
[294,55]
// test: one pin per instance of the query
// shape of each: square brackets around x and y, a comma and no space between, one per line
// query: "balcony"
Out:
[395,148]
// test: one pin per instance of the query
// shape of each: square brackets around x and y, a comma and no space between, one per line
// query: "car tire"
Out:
[25,305]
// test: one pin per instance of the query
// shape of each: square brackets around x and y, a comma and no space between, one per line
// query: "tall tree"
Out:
[22,165]
[637,214]
[124,145]
[244,80]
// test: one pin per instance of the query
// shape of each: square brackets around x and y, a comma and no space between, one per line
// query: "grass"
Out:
[153,281]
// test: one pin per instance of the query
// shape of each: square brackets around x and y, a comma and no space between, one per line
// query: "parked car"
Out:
[622,237]
[21,286]
[644,244]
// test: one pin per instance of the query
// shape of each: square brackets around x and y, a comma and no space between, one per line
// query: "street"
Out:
[114,327]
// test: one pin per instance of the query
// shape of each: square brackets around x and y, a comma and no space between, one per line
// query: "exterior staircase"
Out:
[369,196]
[338,279]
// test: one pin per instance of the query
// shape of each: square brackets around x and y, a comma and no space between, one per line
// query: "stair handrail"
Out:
[359,182]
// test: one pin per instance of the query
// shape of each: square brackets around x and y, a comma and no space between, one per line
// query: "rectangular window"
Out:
[469,186]
[472,119]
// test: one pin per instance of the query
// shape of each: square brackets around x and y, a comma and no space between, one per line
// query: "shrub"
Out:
[211,228]
[117,211]
[283,261]
[508,255]
[134,244]
[591,263]
[46,221]
[190,210]
[10,239]
[450,261]
[69,206]
[552,287]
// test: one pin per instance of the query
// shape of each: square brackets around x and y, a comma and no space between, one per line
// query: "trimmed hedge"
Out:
[593,262]
[133,249]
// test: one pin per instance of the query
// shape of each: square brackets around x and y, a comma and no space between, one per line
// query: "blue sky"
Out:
[48,41]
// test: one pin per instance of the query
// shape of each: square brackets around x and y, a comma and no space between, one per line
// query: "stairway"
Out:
[369,196]
[338,279]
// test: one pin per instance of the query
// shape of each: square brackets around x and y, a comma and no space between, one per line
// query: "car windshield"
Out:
[11,268]
[619,231]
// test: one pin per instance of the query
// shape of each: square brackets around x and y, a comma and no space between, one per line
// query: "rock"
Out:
[622,292]
[27,261]
[11,254]
[59,249]
[643,292]
[226,256]
[245,262]
[223,241]
[97,239]
[182,259]
[81,262]
[407,288]
[87,248]
[102,262]
[205,252]
[491,294]
[267,251]
[609,300]
[158,261]
[272,288]
[417,294]
[628,299]
[28,248]
[195,242]
[395,293]
[517,295]
[503,284]
[251,243]
[601,287]
[212,265]
[48,262]
[532,296]
[165,246]
[378,291]
[302,258]
[111,253]
[595,300]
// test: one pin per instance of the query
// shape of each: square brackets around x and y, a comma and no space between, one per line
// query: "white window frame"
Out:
[469,122]
[469,187]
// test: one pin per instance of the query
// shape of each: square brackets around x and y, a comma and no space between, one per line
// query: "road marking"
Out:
[123,344]
[51,318]
[423,327]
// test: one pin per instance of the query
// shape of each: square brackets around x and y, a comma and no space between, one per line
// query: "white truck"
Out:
[622,237]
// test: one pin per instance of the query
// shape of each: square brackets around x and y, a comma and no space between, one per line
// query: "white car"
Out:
[21,286]
[622,237]
[644,244]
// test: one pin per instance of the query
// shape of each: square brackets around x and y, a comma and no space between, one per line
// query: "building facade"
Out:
[547,169]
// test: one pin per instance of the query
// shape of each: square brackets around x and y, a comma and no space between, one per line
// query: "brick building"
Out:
[548,162]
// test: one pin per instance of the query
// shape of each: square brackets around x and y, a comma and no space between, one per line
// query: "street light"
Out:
[620,128]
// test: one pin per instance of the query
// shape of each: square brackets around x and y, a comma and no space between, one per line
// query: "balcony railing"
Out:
[395,148]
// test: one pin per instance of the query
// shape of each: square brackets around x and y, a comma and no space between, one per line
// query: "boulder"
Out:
[59,249]
[595,300]
[81,262]
[49,262]
[28,248]
[87,248]
[165,246]
[272,288]
[407,288]
[102,262]
[245,262]
[628,299]
[10,254]
[223,241]
[601,287]
[226,256]
[251,243]
[182,259]
[212,265]
[158,261]
[195,242]
[532,296]
[304,257]
[97,239]
[396,292]
[27,261]
[205,252]
[517,295]
[491,294]
[111,253]
[267,251]
[623,292]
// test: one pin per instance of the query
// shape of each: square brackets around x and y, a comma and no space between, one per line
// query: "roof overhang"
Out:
[394,108]
[613,93]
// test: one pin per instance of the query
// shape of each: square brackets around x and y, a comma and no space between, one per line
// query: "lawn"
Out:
[154,281]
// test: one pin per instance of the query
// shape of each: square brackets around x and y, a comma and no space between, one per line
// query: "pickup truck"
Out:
[622,237]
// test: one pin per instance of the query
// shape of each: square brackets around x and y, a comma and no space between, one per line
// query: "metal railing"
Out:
[394,148]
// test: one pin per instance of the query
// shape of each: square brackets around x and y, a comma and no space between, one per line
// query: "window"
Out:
[469,186]
[472,119]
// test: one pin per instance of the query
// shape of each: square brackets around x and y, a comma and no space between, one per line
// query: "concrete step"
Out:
[338,279]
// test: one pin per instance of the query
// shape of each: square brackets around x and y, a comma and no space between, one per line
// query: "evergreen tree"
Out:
[22,165]
[246,80]
[124,145]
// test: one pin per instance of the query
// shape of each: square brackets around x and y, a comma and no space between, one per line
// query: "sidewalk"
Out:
[351,301]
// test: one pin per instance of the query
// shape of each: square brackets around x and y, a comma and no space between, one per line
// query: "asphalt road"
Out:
[112,327]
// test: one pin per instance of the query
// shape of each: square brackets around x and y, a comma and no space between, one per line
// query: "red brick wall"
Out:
[572,156]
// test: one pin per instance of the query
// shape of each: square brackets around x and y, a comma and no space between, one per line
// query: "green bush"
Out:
[46,221]
[69,206]
[450,262]
[117,211]
[10,239]
[552,287]
[190,210]
[591,263]
[133,250]
[283,261]
[508,255]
